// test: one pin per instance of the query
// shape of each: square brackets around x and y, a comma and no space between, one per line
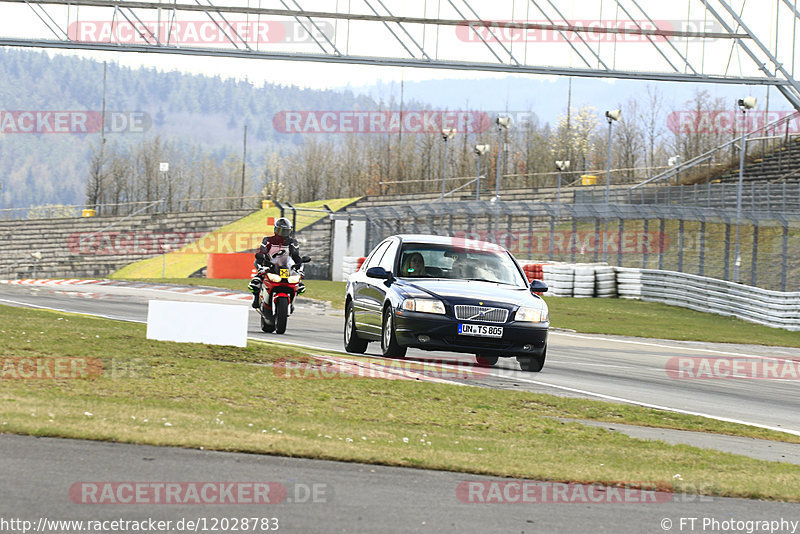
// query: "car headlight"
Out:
[295,279]
[532,315]
[274,277]
[424,305]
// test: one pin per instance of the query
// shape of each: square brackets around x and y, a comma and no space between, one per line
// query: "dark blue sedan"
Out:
[450,294]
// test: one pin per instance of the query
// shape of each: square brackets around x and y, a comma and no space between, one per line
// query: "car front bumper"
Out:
[429,331]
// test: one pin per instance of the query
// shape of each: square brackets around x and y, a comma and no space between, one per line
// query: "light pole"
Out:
[480,150]
[164,168]
[672,162]
[744,105]
[503,123]
[561,166]
[611,116]
[446,136]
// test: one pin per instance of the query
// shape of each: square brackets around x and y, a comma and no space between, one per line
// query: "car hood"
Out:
[469,291]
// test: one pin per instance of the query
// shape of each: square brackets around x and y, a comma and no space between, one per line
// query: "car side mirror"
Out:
[379,272]
[537,286]
[305,259]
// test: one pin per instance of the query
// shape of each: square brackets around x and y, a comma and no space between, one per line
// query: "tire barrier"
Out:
[560,280]
[351,264]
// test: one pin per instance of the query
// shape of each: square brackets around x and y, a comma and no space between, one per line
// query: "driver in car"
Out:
[282,236]
[414,265]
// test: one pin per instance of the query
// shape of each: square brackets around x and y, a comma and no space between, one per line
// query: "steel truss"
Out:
[512,36]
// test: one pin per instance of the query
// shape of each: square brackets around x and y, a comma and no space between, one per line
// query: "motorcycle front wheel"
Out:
[281,314]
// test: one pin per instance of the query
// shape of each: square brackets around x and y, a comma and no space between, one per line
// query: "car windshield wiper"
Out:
[490,281]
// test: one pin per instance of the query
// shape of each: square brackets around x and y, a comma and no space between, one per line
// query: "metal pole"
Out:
[497,170]
[244,164]
[608,163]
[742,149]
[559,189]
[444,166]
[478,187]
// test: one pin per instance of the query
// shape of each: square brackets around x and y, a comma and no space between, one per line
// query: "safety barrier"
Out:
[771,308]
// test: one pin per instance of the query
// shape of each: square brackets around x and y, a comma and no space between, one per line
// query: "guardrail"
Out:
[771,308]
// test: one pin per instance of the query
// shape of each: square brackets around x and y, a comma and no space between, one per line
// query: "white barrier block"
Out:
[197,322]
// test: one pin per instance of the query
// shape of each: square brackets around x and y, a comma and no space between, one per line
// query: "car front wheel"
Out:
[389,346]
[532,364]
[352,343]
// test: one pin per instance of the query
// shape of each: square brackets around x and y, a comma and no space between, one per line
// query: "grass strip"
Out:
[233,399]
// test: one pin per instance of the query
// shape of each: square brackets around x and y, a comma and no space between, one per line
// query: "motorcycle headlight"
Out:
[532,315]
[295,279]
[424,305]
[273,277]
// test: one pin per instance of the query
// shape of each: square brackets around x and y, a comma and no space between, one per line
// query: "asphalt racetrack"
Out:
[39,475]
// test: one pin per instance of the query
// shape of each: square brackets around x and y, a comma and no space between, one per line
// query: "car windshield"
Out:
[458,263]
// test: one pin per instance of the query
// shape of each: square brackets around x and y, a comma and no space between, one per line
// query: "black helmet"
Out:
[283,227]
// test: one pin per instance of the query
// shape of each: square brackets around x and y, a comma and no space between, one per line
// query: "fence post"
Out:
[572,239]
[784,254]
[755,255]
[661,228]
[680,246]
[702,247]
[552,236]
[596,239]
[645,243]
[727,250]
[619,241]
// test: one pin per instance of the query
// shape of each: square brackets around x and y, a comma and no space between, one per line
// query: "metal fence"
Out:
[782,197]
[59,211]
[687,239]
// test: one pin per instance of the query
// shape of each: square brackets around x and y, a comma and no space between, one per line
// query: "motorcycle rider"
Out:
[282,236]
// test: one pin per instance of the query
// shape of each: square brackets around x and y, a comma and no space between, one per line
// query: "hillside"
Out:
[196,112]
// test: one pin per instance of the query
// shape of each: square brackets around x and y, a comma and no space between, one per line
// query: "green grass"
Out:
[596,316]
[232,399]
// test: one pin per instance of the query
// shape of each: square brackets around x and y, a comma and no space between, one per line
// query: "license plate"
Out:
[480,330]
[284,273]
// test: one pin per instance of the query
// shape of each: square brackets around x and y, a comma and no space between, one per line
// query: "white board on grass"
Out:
[197,322]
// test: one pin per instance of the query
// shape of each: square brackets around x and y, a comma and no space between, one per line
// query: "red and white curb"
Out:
[132,285]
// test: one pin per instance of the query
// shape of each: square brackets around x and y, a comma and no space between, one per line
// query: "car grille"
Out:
[481,313]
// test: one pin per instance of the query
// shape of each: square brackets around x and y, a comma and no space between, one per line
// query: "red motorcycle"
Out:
[280,282]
